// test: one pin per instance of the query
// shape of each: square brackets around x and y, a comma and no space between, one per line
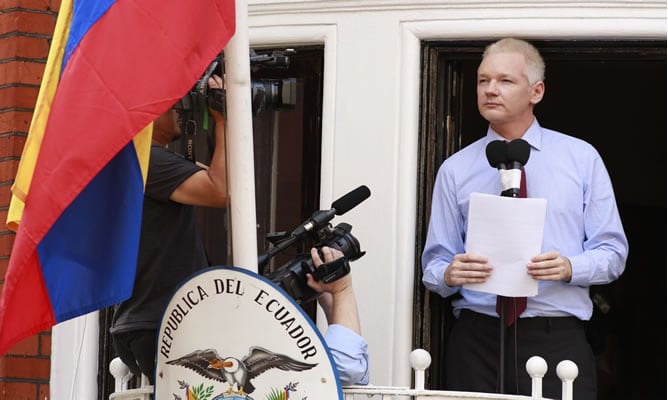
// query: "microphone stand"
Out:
[502,345]
[502,324]
[498,154]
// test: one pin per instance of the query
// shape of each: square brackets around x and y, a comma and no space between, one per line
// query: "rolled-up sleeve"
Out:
[350,353]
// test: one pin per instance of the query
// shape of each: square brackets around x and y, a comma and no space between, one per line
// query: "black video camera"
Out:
[266,94]
[197,126]
[291,277]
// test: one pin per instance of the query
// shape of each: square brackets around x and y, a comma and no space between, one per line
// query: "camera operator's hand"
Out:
[208,188]
[216,98]
[336,298]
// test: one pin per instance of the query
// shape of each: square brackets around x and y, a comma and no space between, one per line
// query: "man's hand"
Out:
[336,298]
[467,268]
[216,97]
[327,291]
[329,254]
[550,266]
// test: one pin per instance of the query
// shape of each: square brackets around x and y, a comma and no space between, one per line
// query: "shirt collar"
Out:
[533,135]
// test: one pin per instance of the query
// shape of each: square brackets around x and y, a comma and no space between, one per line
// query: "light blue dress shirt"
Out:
[582,221]
[350,354]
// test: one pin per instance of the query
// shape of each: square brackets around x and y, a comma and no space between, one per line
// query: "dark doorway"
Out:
[287,143]
[287,148]
[613,95]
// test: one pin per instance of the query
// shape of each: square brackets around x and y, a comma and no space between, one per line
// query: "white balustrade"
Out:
[420,360]
[122,377]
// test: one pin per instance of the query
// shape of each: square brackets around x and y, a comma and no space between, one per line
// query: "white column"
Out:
[74,354]
[241,174]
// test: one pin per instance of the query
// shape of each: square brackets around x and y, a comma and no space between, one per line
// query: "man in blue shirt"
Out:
[583,244]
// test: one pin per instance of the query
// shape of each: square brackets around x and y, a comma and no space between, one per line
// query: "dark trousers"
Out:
[137,350]
[472,359]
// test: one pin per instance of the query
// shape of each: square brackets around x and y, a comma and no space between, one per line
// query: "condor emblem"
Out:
[228,333]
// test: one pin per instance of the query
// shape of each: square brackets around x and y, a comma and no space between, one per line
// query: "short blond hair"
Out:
[535,70]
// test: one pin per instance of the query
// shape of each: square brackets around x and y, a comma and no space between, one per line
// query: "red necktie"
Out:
[514,306]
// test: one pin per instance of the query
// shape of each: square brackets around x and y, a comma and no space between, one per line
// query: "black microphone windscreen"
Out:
[496,153]
[350,200]
[519,150]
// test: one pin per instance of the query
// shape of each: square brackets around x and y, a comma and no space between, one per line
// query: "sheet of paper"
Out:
[508,231]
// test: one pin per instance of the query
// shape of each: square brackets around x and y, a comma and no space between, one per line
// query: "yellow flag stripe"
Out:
[47,90]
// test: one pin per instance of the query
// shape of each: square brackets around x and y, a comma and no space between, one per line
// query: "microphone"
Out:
[518,152]
[509,158]
[319,220]
[497,154]
[340,206]
[351,200]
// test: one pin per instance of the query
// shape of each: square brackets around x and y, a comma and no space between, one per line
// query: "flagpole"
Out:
[241,174]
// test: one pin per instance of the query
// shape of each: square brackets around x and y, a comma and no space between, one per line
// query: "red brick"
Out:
[6,231]
[11,146]
[14,121]
[25,367]
[5,195]
[43,391]
[18,96]
[45,343]
[27,347]
[24,21]
[24,46]
[55,5]
[42,5]
[18,391]
[3,266]
[6,243]
[26,72]
[8,170]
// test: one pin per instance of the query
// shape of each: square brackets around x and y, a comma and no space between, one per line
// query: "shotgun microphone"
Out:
[340,206]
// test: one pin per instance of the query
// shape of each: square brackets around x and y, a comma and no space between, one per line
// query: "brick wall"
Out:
[26,27]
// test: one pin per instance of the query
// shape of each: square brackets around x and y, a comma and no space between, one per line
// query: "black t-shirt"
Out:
[170,246]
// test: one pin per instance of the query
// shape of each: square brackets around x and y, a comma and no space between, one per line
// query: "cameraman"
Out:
[170,246]
[343,336]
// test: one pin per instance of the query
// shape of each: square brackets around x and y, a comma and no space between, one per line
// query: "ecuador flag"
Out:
[113,67]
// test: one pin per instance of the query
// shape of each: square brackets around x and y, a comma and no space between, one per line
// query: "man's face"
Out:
[504,92]
[168,125]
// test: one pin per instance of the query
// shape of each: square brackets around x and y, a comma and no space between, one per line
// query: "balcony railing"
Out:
[420,360]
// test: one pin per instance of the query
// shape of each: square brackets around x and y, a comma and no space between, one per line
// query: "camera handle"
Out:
[264,259]
[331,271]
[203,83]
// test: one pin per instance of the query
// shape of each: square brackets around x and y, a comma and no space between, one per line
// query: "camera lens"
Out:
[273,94]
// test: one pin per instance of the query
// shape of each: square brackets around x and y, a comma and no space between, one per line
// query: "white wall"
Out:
[370,118]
